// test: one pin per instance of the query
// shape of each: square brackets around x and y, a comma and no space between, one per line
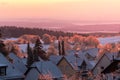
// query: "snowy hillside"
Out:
[109,40]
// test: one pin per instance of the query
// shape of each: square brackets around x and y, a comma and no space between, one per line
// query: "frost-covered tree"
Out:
[77,46]
[91,41]
[27,38]
[38,51]
[46,39]
[53,38]
[67,46]
[52,50]
[3,50]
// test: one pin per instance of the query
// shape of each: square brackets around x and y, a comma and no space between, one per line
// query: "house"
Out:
[73,64]
[113,70]
[66,68]
[103,62]
[43,70]
[8,71]
[18,63]
[91,54]
[39,66]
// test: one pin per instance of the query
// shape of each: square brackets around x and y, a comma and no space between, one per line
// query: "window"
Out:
[119,65]
[102,67]
[55,79]
[2,71]
[83,66]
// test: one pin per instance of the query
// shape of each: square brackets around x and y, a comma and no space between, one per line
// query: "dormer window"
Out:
[119,65]
[3,69]
[83,66]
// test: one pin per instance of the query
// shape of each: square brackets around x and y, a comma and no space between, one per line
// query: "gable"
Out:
[18,63]
[63,62]
[101,64]
[12,71]
[32,75]
[46,68]
[112,67]
[66,68]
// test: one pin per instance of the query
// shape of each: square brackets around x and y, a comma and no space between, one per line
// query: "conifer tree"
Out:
[38,44]
[30,55]
[38,52]
[2,46]
[59,47]
[63,48]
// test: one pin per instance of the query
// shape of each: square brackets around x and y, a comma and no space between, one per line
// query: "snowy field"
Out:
[102,40]
[109,40]
[13,39]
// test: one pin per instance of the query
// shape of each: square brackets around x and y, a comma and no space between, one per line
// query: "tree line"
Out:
[13,31]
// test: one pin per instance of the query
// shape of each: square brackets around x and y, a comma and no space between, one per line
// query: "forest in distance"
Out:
[14,31]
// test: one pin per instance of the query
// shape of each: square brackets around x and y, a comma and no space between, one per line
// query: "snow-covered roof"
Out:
[72,59]
[32,75]
[2,65]
[118,58]
[93,63]
[111,55]
[47,67]
[18,63]
[93,52]
[24,60]
[12,71]
[55,58]
[77,60]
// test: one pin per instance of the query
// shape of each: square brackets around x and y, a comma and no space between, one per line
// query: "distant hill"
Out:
[66,26]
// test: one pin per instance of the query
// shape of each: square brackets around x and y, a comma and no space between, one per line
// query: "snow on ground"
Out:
[109,40]
[13,39]
[103,41]
[23,47]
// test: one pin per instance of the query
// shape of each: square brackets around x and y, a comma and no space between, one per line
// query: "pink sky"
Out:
[90,10]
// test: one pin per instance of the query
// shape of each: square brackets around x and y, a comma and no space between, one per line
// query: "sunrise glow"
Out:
[107,10]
